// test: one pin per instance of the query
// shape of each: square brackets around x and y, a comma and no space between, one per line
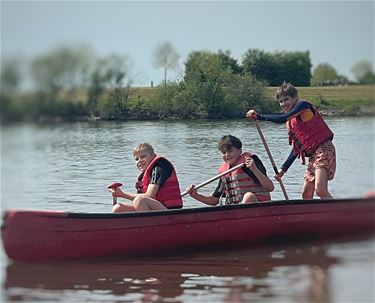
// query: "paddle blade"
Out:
[114,185]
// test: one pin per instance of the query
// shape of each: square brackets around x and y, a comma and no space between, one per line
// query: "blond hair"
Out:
[143,147]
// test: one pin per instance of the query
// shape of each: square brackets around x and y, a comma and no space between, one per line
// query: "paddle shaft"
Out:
[271,158]
[215,177]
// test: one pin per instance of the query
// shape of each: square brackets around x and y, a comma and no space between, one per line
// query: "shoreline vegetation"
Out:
[151,103]
[70,83]
[66,86]
[348,100]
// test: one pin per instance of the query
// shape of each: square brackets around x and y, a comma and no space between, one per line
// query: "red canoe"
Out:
[52,235]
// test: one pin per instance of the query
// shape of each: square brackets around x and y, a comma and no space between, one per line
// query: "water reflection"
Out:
[230,276]
[68,166]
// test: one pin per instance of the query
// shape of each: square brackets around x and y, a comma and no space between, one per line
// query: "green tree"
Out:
[259,64]
[275,68]
[65,69]
[61,77]
[324,74]
[166,57]
[226,61]
[294,67]
[242,92]
[363,71]
[11,78]
[368,78]
[216,89]
[112,75]
[205,74]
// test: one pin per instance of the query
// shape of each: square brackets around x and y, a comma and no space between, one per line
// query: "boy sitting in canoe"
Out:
[311,137]
[157,186]
[246,184]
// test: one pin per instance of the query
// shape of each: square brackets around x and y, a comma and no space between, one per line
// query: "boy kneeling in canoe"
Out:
[246,184]
[157,186]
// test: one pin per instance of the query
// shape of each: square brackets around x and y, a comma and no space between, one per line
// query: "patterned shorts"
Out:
[324,156]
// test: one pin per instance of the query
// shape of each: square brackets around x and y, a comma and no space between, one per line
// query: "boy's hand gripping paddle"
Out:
[114,186]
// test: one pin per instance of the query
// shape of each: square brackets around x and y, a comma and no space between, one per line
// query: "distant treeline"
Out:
[71,84]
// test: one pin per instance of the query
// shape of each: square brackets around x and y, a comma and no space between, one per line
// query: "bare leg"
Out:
[308,189]
[321,183]
[142,203]
[122,208]
[249,197]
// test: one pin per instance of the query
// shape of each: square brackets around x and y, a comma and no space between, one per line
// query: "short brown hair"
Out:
[143,147]
[227,142]
[286,89]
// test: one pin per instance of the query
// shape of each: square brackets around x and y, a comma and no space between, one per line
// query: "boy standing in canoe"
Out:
[311,137]
[157,185]
[246,184]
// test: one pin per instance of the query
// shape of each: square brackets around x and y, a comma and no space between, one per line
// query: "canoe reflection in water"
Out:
[277,273]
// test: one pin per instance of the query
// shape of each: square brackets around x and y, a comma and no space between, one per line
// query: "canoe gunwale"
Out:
[213,208]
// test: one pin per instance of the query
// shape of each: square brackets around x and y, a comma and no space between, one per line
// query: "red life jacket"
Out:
[169,193]
[238,182]
[307,136]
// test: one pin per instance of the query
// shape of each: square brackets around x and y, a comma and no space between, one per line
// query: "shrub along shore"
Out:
[176,101]
[350,100]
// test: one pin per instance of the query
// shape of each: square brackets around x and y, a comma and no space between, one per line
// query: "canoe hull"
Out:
[56,236]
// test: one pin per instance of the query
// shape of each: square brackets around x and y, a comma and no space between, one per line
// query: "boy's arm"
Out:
[209,200]
[298,109]
[288,162]
[152,190]
[260,173]
[160,173]
[123,194]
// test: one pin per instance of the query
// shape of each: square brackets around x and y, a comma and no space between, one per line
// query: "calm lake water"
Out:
[68,166]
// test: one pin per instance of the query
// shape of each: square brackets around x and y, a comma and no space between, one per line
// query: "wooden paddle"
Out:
[271,158]
[215,178]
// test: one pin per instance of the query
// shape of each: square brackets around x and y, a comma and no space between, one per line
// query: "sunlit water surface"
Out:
[68,166]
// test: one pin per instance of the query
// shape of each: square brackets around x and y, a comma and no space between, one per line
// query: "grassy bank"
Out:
[162,103]
[338,100]
[332,100]
[344,100]
[353,93]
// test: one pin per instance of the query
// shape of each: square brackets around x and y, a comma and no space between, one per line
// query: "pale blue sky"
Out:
[340,33]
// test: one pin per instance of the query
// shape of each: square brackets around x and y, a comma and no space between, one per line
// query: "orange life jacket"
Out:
[238,182]
[169,193]
[307,136]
